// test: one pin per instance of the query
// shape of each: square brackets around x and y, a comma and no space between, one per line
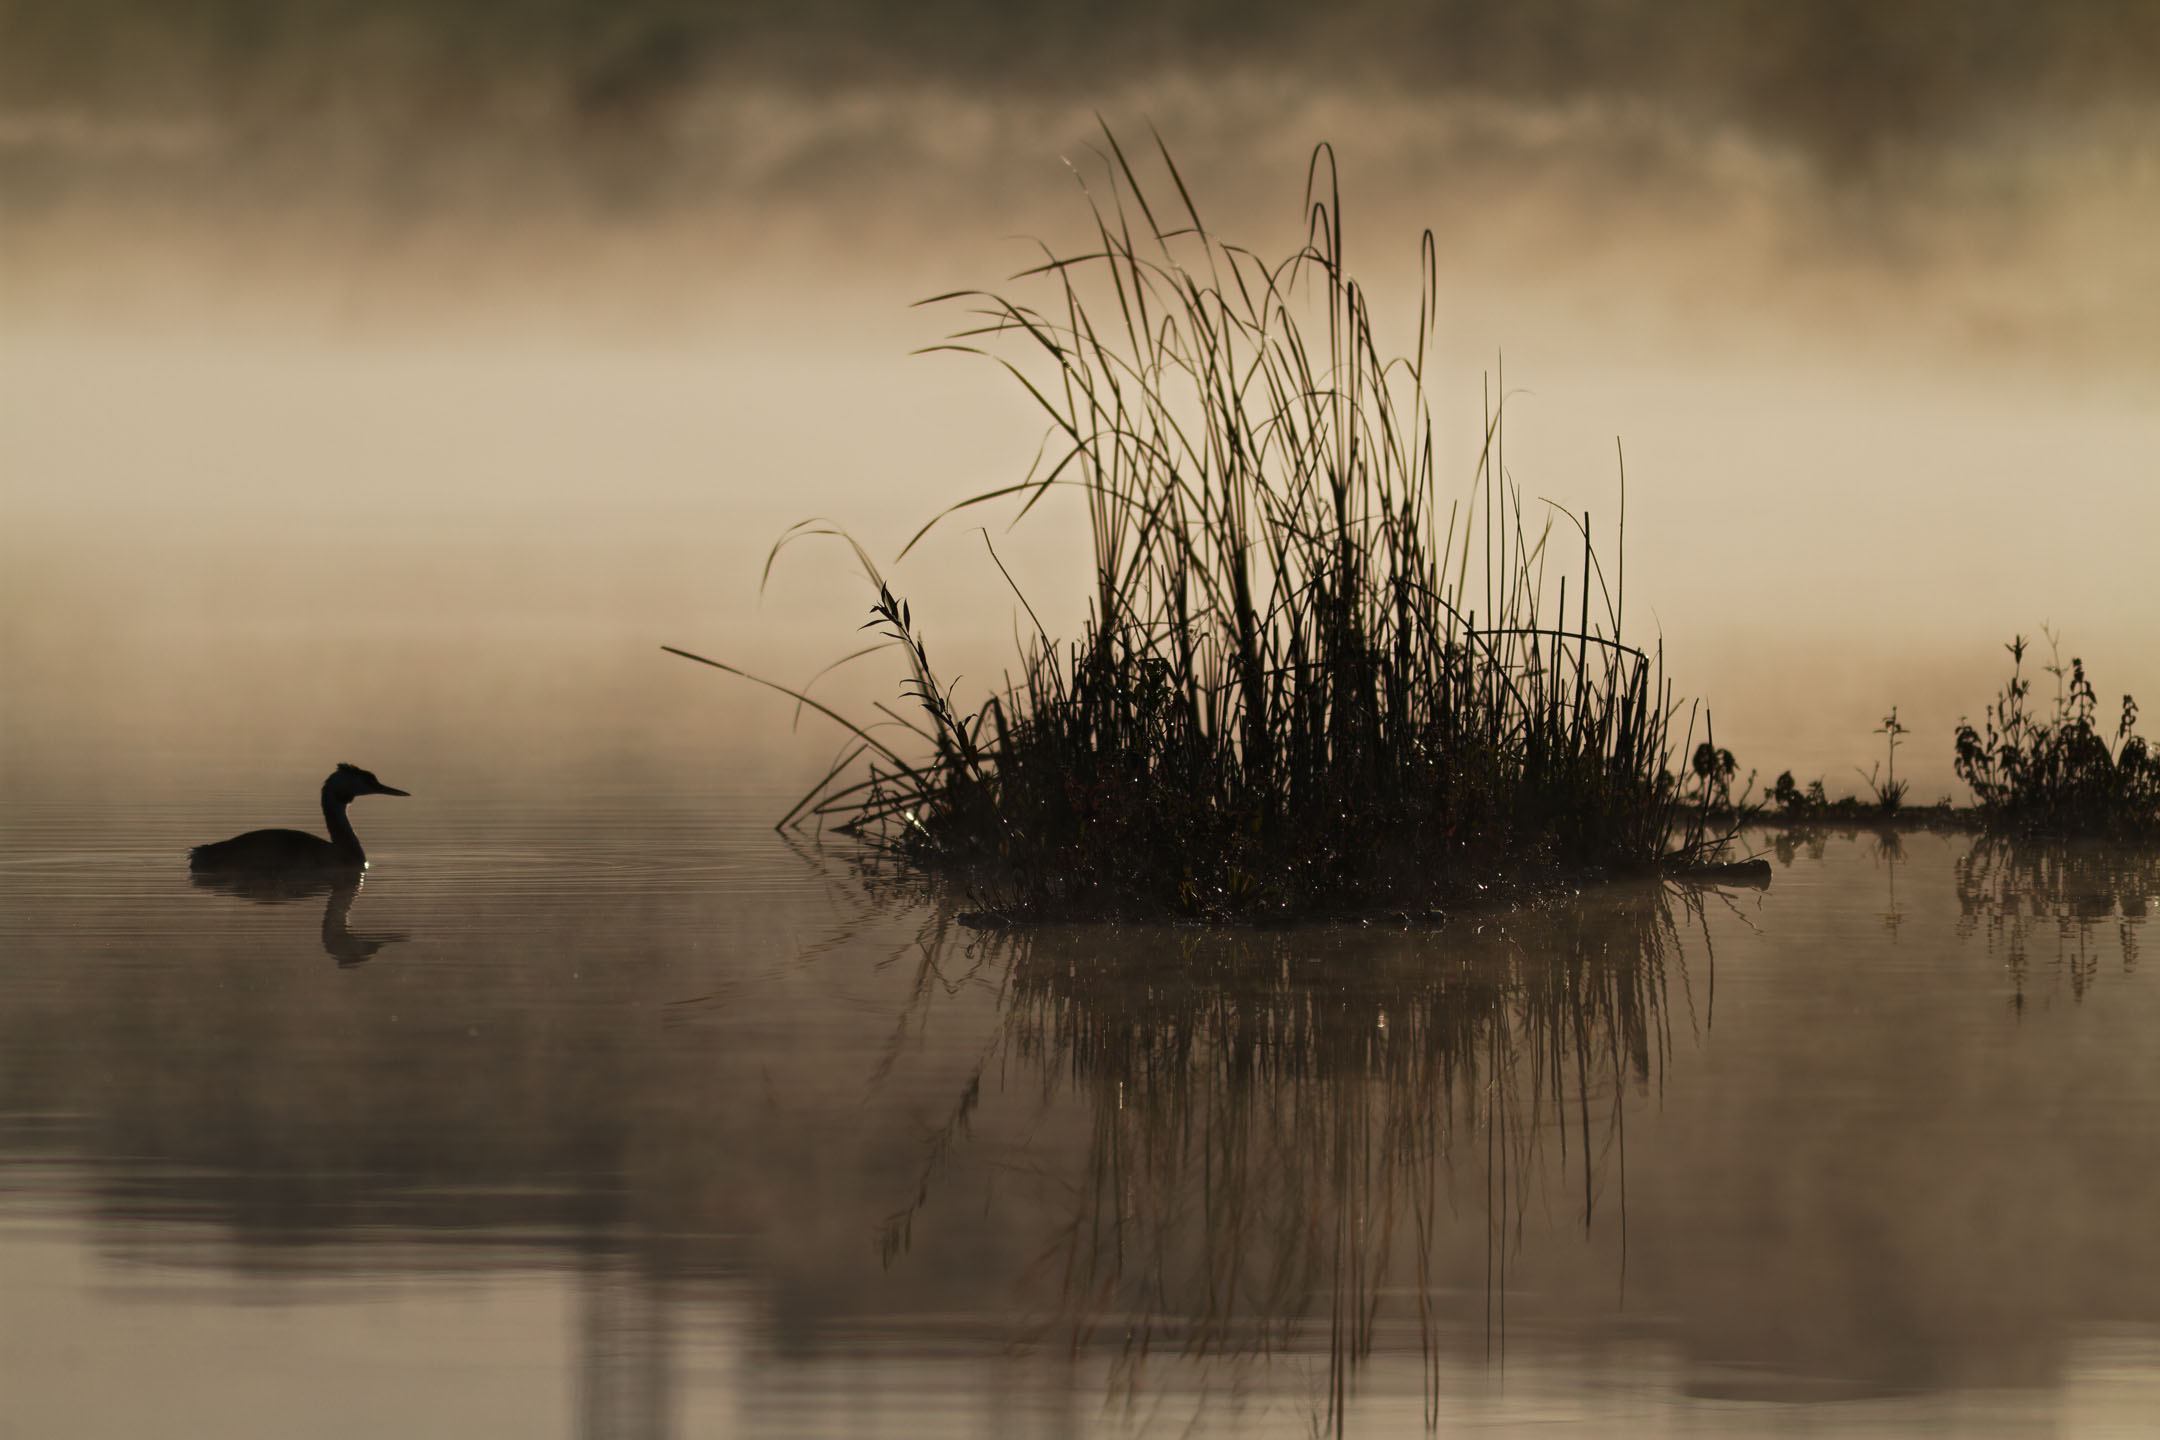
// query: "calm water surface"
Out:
[610,1113]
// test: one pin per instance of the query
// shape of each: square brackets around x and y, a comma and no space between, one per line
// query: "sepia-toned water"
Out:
[601,1110]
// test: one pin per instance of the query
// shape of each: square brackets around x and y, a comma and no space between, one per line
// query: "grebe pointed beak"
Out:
[382,789]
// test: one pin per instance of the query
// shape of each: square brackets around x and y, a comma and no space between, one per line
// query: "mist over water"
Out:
[1846,81]
[1979,169]
[1863,290]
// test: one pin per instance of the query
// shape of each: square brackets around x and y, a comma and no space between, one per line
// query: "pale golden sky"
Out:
[1884,369]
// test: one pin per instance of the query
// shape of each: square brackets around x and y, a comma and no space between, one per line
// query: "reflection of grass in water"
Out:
[1307,680]
[1286,1126]
[2011,889]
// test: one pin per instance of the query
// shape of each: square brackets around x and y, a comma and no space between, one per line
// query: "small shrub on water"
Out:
[1791,798]
[2059,773]
[1889,794]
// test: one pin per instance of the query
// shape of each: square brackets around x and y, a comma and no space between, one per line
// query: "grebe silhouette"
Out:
[272,851]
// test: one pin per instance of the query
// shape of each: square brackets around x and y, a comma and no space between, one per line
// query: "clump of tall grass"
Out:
[1306,681]
[2058,772]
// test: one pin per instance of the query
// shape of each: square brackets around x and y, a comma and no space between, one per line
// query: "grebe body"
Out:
[270,851]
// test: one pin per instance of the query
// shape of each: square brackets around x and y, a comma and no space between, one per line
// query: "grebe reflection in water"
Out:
[339,941]
[275,851]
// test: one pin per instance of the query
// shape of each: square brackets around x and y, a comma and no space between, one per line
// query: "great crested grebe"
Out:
[271,850]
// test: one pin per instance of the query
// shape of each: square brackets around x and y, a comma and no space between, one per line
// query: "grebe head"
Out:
[349,781]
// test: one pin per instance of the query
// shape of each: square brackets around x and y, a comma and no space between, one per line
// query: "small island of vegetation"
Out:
[1307,684]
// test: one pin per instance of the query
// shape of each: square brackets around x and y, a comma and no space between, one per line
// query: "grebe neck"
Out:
[341,831]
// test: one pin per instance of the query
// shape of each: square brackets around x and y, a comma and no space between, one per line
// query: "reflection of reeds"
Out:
[1287,1125]
[1306,680]
[2011,889]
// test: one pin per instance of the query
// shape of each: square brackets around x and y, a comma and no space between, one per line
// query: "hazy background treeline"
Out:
[1711,154]
[1966,147]
[1844,81]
